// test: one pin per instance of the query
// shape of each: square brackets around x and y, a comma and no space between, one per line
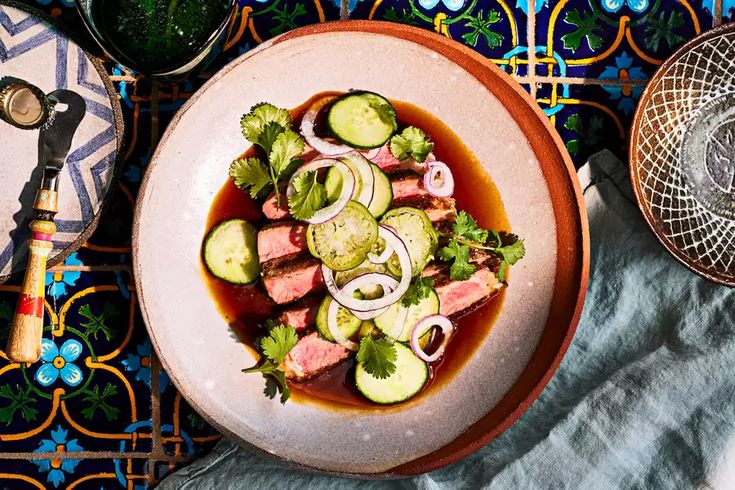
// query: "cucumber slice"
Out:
[382,192]
[231,252]
[362,120]
[347,323]
[343,242]
[427,306]
[406,382]
[415,229]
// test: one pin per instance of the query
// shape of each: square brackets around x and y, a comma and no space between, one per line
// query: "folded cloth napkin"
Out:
[645,397]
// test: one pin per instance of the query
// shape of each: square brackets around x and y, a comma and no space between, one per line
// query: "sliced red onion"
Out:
[348,188]
[370,155]
[368,178]
[307,129]
[438,180]
[431,321]
[388,284]
[334,329]
[381,258]
[346,299]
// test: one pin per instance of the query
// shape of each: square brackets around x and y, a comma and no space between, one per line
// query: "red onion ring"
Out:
[356,305]
[335,331]
[370,155]
[368,178]
[431,321]
[388,284]
[348,188]
[307,130]
[438,180]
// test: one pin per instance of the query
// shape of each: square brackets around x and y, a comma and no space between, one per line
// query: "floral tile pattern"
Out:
[498,28]
[582,38]
[98,411]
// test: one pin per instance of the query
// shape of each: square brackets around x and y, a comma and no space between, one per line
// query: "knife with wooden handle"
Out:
[24,342]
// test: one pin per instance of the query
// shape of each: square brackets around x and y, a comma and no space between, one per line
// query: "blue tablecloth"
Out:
[643,399]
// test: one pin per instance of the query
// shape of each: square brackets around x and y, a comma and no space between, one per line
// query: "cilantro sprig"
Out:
[308,197]
[378,357]
[417,290]
[467,235]
[269,128]
[274,348]
[412,142]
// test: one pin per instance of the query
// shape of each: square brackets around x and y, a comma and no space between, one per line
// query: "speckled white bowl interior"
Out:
[189,167]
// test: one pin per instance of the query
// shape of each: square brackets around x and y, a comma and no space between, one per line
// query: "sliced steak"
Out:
[311,356]
[272,210]
[408,186]
[302,316]
[281,240]
[459,297]
[390,164]
[293,281]
[439,210]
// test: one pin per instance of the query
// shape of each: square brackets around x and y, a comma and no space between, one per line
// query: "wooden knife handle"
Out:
[24,342]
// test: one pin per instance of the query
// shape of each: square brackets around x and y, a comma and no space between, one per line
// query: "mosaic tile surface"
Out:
[114,420]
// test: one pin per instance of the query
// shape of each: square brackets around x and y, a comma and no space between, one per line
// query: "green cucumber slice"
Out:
[343,242]
[415,229]
[347,323]
[427,306]
[406,382]
[382,192]
[362,120]
[231,252]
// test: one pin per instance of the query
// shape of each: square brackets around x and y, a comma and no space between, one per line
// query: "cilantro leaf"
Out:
[275,380]
[274,348]
[502,268]
[251,174]
[412,142]
[461,268]
[385,111]
[512,253]
[260,115]
[287,147]
[309,196]
[418,290]
[278,343]
[378,357]
[268,136]
[466,227]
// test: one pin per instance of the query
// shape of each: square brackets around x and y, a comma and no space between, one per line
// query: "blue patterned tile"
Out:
[584,38]
[589,118]
[496,29]
[82,474]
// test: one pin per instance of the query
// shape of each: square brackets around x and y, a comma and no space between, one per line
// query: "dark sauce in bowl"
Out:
[244,307]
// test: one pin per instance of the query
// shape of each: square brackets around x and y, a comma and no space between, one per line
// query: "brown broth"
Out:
[246,306]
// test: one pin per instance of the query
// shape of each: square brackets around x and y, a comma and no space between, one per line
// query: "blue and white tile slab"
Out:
[28,47]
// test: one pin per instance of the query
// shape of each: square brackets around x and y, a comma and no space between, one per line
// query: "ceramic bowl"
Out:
[526,159]
[34,50]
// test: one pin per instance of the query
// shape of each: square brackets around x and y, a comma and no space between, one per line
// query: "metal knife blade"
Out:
[54,140]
